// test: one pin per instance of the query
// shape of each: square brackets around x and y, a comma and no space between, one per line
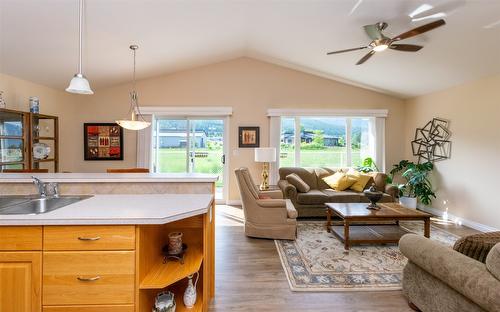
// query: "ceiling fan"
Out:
[380,42]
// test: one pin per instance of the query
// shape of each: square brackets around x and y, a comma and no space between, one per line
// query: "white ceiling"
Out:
[39,39]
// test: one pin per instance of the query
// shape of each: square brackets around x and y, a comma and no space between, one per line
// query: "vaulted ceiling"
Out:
[39,39]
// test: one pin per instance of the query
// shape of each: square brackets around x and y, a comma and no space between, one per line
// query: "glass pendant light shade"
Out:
[79,85]
[133,124]
[136,121]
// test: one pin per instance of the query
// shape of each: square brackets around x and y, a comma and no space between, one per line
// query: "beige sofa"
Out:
[312,203]
[272,217]
[440,279]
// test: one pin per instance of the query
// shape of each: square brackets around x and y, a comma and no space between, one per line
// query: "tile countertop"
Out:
[120,209]
[109,177]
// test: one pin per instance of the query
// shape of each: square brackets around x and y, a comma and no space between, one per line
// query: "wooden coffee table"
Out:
[367,232]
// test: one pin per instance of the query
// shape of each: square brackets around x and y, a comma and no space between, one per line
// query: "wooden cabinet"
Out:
[20,132]
[20,281]
[102,268]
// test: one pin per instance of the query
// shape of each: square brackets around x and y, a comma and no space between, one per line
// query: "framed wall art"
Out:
[248,137]
[103,141]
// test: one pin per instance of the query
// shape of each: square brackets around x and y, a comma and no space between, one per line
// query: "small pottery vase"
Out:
[190,292]
[164,302]
[175,243]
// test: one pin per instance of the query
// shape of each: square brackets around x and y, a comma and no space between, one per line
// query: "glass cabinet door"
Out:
[12,140]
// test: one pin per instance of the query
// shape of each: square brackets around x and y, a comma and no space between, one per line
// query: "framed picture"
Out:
[249,136]
[103,141]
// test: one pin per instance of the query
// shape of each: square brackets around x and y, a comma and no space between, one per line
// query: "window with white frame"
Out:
[326,141]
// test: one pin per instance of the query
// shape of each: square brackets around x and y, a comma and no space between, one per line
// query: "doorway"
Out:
[191,145]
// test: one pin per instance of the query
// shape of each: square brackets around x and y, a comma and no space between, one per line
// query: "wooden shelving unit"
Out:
[31,126]
[162,275]
[153,276]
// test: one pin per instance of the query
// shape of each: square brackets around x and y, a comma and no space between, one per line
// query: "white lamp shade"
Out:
[133,124]
[80,85]
[265,154]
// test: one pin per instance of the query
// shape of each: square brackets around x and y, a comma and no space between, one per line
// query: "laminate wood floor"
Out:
[249,276]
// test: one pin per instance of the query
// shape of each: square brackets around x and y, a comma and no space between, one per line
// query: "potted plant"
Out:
[368,165]
[417,185]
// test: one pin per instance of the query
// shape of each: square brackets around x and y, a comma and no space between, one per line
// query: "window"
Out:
[326,141]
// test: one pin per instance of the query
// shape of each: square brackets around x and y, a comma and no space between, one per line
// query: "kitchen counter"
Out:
[108,177]
[119,210]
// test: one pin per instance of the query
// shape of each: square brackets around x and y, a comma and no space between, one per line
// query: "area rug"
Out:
[317,261]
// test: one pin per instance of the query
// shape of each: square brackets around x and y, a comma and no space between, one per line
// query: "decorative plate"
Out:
[41,150]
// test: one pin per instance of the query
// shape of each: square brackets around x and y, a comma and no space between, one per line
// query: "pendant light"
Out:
[79,84]
[136,121]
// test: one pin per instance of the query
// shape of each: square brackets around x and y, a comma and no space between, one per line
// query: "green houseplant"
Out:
[417,183]
[368,165]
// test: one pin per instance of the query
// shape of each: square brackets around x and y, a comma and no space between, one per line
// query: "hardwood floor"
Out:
[249,276]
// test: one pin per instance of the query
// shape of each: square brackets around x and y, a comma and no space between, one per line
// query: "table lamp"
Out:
[265,155]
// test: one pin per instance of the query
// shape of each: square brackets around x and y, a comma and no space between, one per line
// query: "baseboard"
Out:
[459,220]
[233,202]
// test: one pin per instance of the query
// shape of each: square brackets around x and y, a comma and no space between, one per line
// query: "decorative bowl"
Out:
[373,196]
[164,302]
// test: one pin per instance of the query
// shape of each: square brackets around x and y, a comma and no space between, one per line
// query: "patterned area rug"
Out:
[317,261]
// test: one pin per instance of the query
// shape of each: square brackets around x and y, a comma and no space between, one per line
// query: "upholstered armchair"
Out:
[267,215]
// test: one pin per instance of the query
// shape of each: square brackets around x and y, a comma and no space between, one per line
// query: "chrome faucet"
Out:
[50,189]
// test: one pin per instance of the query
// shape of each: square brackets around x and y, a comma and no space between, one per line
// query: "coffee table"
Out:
[367,232]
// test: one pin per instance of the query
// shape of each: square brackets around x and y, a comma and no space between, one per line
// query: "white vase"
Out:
[408,202]
[190,292]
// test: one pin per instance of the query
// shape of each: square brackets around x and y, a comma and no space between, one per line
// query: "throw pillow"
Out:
[339,181]
[361,180]
[296,181]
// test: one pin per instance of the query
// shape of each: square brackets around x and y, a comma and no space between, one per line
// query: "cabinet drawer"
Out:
[93,237]
[88,277]
[19,238]
[90,308]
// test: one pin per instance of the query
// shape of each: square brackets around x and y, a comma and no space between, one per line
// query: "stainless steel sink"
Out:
[13,205]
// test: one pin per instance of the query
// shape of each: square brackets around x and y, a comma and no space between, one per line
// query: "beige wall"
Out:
[467,183]
[250,87]
[52,102]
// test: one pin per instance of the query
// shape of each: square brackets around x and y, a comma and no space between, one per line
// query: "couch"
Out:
[312,203]
[267,214]
[440,279]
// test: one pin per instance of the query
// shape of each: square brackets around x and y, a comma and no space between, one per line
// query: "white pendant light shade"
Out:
[79,85]
[133,124]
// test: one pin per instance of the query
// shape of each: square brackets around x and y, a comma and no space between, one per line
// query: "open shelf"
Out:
[162,274]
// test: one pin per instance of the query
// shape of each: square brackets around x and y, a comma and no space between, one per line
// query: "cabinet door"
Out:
[20,281]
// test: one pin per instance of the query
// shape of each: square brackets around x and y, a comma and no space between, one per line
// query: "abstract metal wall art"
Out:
[432,142]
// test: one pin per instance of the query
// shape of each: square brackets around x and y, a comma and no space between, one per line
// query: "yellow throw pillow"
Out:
[361,180]
[339,181]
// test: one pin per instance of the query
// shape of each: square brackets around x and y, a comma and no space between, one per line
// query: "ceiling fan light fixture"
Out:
[380,47]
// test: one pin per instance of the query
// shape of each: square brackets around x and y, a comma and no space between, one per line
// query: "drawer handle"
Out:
[88,279]
[89,238]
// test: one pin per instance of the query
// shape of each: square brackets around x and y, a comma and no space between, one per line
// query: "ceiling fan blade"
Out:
[373,32]
[346,50]
[406,47]
[365,58]
[420,30]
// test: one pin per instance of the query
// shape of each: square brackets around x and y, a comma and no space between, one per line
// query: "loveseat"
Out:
[440,279]
[312,202]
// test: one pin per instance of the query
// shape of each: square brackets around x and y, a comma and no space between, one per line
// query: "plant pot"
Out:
[408,202]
